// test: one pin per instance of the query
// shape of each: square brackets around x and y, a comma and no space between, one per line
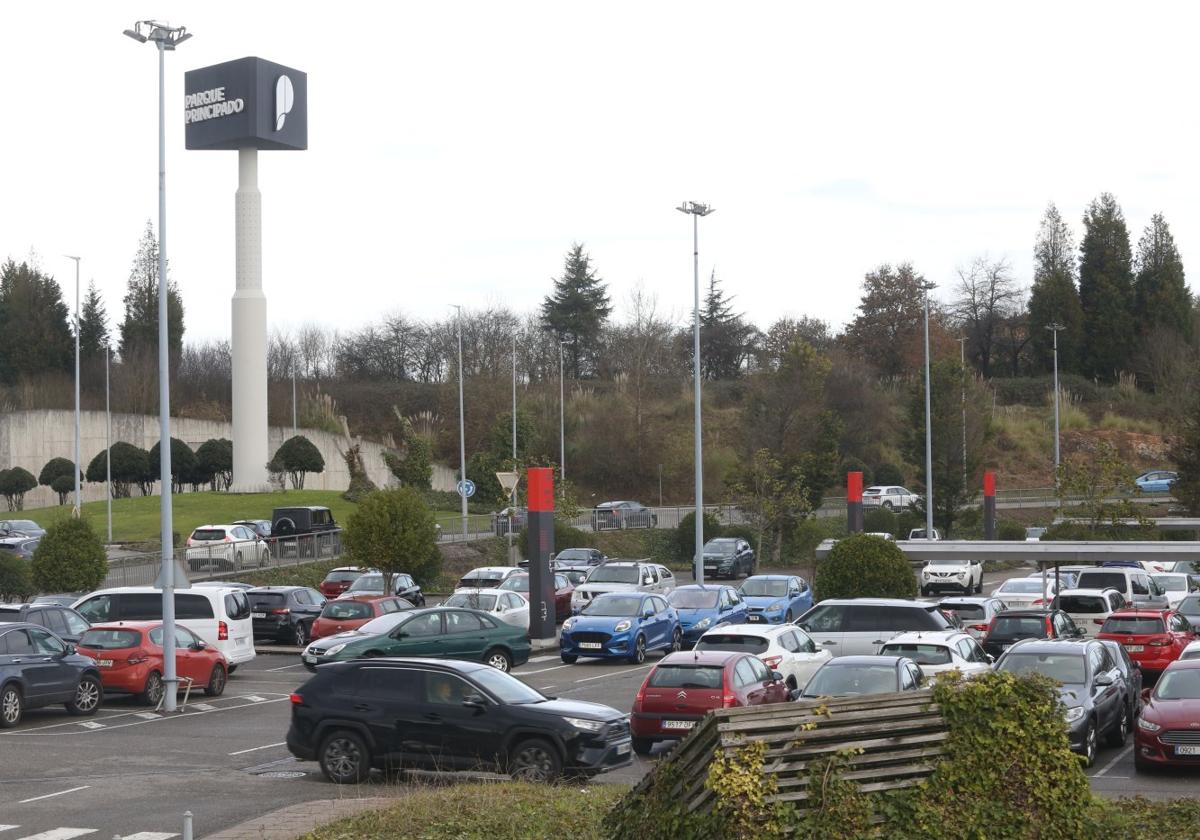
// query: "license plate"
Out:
[104,663]
[1190,750]
[678,724]
[309,658]
[753,619]
[590,645]
[623,749]
[1135,648]
[258,615]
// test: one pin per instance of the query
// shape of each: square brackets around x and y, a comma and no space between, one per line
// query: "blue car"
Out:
[621,625]
[702,607]
[1156,481]
[776,599]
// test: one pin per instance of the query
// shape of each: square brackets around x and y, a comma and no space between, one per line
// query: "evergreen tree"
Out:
[1106,290]
[139,329]
[35,334]
[93,325]
[725,337]
[1054,297]
[1161,297]
[576,312]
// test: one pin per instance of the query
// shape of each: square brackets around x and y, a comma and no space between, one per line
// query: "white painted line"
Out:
[542,658]
[285,667]
[254,749]
[91,724]
[51,795]
[1110,764]
[253,697]
[204,707]
[60,834]
[17,733]
[545,688]
[150,835]
[7,827]
[617,674]
[540,671]
[148,715]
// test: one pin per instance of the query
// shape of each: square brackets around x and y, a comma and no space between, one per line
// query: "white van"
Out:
[219,616]
[1135,585]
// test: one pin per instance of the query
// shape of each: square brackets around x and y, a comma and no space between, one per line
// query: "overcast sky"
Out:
[456,150]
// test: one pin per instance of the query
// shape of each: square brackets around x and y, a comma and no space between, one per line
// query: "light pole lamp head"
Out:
[1055,327]
[164,36]
[695,208]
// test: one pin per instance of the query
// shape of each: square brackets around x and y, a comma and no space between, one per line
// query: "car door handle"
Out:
[829,643]
[363,707]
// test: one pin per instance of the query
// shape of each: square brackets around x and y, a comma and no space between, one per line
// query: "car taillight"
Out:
[641,695]
[137,659]
[1099,621]
[728,698]
[222,631]
[1160,642]
[1049,625]
[982,628]
[772,662]
[284,611]
[991,625]
[296,699]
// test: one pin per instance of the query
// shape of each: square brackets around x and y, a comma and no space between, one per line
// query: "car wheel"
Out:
[498,659]
[924,592]
[569,659]
[216,682]
[1119,734]
[676,641]
[344,758]
[1090,745]
[642,746]
[979,586]
[639,651]
[153,692]
[11,707]
[88,695]
[887,505]
[534,760]
[300,634]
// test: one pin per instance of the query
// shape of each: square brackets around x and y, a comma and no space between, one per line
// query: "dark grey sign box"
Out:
[250,123]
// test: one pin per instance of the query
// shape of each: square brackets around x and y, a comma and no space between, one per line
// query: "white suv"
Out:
[623,576]
[958,574]
[888,497]
[226,548]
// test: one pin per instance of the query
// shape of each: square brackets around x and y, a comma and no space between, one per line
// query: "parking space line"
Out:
[52,795]
[147,715]
[617,674]
[542,658]
[91,724]
[256,749]
[60,834]
[7,827]
[253,697]
[151,835]
[285,667]
[15,733]
[1110,764]
[204,707]
[539,671]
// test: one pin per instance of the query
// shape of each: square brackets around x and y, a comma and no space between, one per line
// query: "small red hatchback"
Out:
[683,687]
[353,611]
[338,580]
[130,657]
[1152,638]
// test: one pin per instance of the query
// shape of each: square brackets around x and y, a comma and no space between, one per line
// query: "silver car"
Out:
[975,613]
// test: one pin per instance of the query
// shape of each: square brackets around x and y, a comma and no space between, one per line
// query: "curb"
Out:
[295,820]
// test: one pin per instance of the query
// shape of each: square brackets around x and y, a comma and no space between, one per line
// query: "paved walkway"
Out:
[291,822]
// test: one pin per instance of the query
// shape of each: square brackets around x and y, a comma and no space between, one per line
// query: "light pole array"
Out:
[1054,328]
[926,287]
[78,509]
[696,210]
[165,38]
[462,426]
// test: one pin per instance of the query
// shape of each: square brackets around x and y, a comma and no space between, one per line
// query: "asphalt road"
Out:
[131,772]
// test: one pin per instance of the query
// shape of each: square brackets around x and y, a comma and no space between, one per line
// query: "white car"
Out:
[1088,608]
[937,653]
[1177,585]
[883,535]
[1024,593]
[782,647]
[919,534]
[1192,651]
[623,576]
[959,574]
[889,497]
[509,607]
[226,548]
[487,577]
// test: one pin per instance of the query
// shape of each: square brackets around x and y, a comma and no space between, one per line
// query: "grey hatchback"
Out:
[39,669]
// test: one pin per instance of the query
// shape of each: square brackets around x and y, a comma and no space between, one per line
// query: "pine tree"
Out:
[576,312]
[1161,297]
[1054,297]
[1106,290]
[139,329]
[93,325]
[35,335]
[724,335]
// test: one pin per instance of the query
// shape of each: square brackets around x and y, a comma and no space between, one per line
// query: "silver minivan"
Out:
[1135,585]
[861,626]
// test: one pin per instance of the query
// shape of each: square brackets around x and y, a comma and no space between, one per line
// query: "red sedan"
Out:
[353,611]
[1168,730]
[1152,638]
[130,657]
[562,592]
[684,686]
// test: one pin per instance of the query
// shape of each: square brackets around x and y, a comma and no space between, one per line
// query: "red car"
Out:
[338,580]
[1168,730]
[684,686]
[562,592]
[130,657]
[1152,638]
[352,612]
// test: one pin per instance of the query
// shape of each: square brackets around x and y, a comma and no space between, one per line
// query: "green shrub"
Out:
[1008,529]
[880,521]
[393,531]
[865,567]
[69,558]
[887,473]
[852,464]
[685,535]
[16,579]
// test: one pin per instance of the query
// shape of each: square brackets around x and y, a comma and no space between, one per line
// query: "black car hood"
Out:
[574,708]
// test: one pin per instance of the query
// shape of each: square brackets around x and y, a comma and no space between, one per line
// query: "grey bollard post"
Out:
[187,825]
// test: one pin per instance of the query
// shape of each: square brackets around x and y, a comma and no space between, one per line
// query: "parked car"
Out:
[64,599]
[1152,638]
[1166,732]
[305,532]
[1156,481]
[562,592]
[1061,578]
[728,557]
[351,612]
[850,676]
[1093,690]
[437,632]
[1022,593]
[262,527]
[130,658]
[1192,651]
[338,580]
[1088,608]
[509,607]
[220,617]
[284,614]
[782,647]
[1130,671]
[574,576]
[1012,626]
[938,653]
[919,534]
[623,576]
[889,497]
[609,516]
[218,584]
[1176,585]
[775,599]
[514,517]
[448,715]
[65,623]
[964,574]
[974,614]
[486,577]
[39,669]
[1191,568]
[578,557]
[22,547]
[621,625]
[701,606]
[403,586]
[1035,533]
[1189,608]
[684,687]
[225,548]
[26,527]
[859,626]
[1135,585]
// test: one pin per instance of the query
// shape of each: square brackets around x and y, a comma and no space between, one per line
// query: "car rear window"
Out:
[921,654]
[346,610]
[339,577]
[110,639]
[472,600]
[966,611]
[1063,667]
[1019,625]
[1103,580]
[1083,604]
[481,582]
[10,613]
[687,676]
[1139,625]
[267,600]
[208,534]
[732,642]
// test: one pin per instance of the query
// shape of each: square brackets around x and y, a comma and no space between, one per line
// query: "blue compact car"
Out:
[776,599]
[702,607]
[621,625]
[1156,481]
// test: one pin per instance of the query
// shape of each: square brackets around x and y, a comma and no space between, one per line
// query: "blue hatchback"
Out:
[1156,481]
[702,607]
[621,625]
[776,599]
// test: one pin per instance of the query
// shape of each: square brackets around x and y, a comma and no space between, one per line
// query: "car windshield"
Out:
[505,688]
[110,639]
[1190,605]
[847,680]
[1172,583]
[384,624]
[1138,625]
[722,546]
[732,642]
[965,611]
[23,525]
[583,554]
[472,600]
[764,588]
[1083,603]
[614,574]
[1183,684]
[687,676]
[614,605]
[1063,667]
[693,599]
[1019,625]
[921,654]
[208,535]
[1023,586]
[517,583]
[346,610]
[367,583]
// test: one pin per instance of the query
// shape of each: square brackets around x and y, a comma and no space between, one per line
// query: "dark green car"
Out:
[440,632]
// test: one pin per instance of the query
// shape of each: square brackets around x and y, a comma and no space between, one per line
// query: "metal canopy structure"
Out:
[1043,554]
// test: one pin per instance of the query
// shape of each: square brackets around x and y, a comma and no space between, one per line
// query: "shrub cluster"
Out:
[863,566]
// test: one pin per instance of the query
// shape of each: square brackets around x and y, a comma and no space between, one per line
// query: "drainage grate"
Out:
[282,774]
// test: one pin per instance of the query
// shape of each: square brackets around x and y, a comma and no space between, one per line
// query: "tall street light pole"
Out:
[462,426]
[107,444]
[1054,328]
[696,210]
[928,426]
[295,424]
[78,509]
[514,417]
[562,416]
[164,38]
[962,363]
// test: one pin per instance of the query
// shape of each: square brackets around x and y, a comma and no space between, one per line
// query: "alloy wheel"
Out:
[533,763]
[10,707]
[87,696]
[342,758]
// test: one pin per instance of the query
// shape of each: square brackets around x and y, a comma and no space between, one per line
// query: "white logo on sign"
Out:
[283,100]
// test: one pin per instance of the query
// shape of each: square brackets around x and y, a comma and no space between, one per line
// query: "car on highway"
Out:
[351,612]
[225,548]
[22,547]
[437,632]
[623,576]
[728,557]
[850,676]
[962,574]
[858,626]
[403,586]
[609,516]
[973,613]
[1013,626]
[509,607]
[262,527]
[39,669]
[775,599]
[704,605]
[782,647]
[284,614]
[65,623]
[23,526]
[1156,481]
[1034,533]
[1092,688]
[919,534]
[889,497]
[338,580]
[1022,593]
[1166,733]
[621,625]
[1088,608]
[683,687]
[352,717]
[1176,585]
[938,653]
[1152,638]
[305,531]
[563,588]
[487,577]
[129,655]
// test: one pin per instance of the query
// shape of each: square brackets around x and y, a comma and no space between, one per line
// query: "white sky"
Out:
[456,150]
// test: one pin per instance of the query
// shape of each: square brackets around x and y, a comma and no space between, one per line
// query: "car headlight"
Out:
[568,624]
[1147,725]
[1074,713]
[335,649]
[585,724]
[622,626]
[700,625]
[778,605]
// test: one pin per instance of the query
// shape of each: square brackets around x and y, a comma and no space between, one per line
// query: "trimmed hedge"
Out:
[863,566]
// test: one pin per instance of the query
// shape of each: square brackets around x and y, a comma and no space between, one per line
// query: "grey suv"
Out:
[860,626]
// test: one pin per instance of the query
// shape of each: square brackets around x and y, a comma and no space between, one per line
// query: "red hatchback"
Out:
[1152,638]
[1168,730]
[130,657]
[683,687]
[350,613]
[338,580]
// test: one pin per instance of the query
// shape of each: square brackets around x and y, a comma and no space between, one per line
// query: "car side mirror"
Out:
[726,607]
[776,676]
[991,660]
[70,650]
[649,613]
[794,695]
[475,701]
[198,645]
[1104,679]
[1145,695]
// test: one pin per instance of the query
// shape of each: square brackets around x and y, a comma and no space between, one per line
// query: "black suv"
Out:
[1011,626]
[396,714]
[284,613]
[304,531]
[67,624]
